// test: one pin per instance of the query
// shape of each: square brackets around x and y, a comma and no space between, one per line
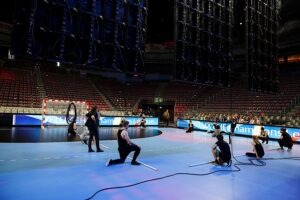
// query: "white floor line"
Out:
[239,155]
[150,167]
[203,163]
[106,147]
[273,149]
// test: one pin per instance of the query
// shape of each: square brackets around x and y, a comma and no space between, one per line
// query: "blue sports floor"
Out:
[64,170]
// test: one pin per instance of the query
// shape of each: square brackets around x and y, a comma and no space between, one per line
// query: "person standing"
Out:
[232,126]
[92,123]
[125,146]
[166,117]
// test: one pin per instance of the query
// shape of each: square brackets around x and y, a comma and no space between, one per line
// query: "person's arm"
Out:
[281,137]
[125,136]
[254,149]
[253,146]
[93,118]
[214,147]
[74,126]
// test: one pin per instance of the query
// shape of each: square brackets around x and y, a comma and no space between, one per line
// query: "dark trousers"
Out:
[249,154]
[166,122]
[124,152]
[189,130]
[283,143]
[263,139]
[72,132]
[94,133]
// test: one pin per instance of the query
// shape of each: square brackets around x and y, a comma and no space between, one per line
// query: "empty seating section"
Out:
[187,96]
[125,96]
[20,94]
[240,100]
[290,87]
[72,88]
[18,88]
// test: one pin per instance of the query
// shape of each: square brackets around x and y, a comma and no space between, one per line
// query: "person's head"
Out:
[262,128]
[94,108]
[217,127]
[191,121]
[283,130]
[125,124]
[220,137]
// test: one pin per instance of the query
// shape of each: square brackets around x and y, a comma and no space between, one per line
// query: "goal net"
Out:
[54,112]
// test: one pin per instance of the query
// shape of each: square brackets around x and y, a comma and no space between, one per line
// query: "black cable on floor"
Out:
[259,163]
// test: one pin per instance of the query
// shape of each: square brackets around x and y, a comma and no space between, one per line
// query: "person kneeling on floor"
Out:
[285,140]
[221,151]
[125,147]
[258,150]
[190,127]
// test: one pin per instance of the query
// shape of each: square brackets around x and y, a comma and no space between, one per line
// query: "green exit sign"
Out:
[158,100]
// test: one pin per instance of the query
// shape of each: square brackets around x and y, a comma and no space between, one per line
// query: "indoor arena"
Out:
[148,99]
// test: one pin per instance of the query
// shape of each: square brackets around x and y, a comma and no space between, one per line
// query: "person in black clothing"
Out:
[232,126]
[285,140]
[258,150]
[190,127]
[72,128]
[264,135]
[92,123]
[221,151]
[143,122]
[125,147]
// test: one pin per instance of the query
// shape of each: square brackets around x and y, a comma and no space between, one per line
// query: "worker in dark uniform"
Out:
[92,123]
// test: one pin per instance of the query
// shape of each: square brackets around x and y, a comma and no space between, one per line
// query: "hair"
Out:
[217,127]
[220,137]
[283,129]
[255,139]
[94,108]
[125,123]
[262,128]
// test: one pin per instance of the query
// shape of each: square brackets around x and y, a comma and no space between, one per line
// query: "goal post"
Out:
[54,112]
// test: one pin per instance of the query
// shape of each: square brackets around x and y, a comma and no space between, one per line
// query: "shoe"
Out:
[216,162]
[84,141]
[108,162]
[289,149]
[135,163]
[99,150]
[229,163]
[91,150]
